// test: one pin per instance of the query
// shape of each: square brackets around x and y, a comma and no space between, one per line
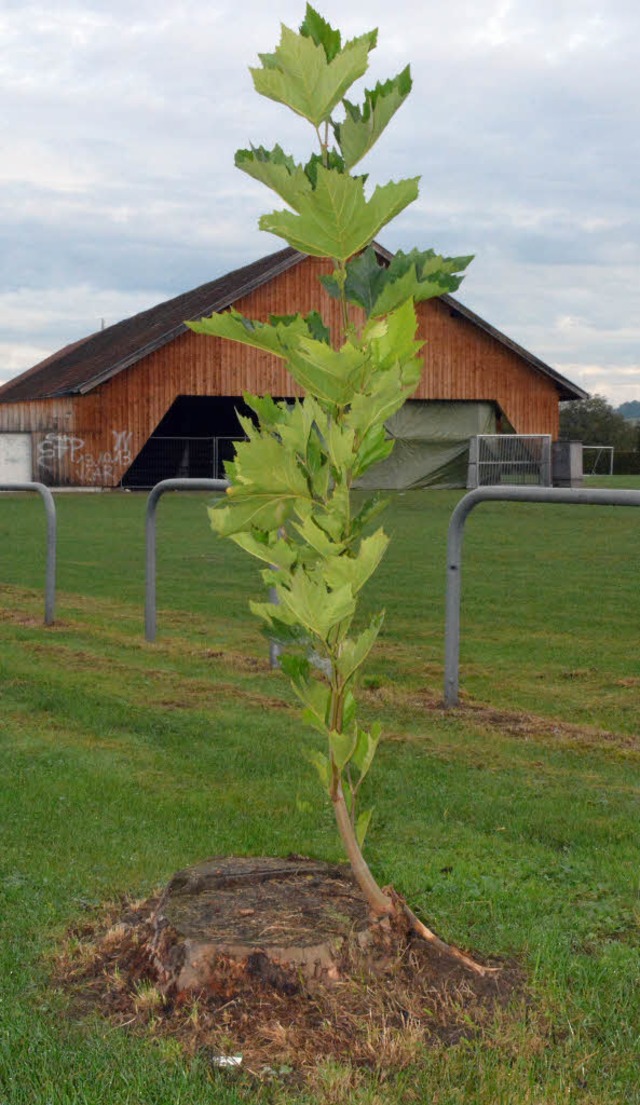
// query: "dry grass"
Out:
[380,1015]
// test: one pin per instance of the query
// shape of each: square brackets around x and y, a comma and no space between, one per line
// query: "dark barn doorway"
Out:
[193,440]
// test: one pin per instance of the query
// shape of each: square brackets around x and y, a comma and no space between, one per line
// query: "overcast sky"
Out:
[120,120]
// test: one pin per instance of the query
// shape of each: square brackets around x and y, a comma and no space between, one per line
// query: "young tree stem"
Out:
[379,902]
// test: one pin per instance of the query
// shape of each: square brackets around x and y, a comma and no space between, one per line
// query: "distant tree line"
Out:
[595,422]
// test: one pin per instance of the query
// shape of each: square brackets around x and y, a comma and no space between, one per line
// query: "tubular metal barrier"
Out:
[150,539]
[50,571]
[577,497]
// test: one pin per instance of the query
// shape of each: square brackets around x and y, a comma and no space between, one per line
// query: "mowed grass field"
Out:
[510,824]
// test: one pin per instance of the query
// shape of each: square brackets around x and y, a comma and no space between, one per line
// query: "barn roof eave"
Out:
[46,380]
[220,304]
[566,389]
[275,265]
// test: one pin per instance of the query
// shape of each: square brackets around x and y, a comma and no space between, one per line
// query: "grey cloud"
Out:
[523,123]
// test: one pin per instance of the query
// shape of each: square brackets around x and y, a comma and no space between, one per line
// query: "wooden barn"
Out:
[146,399]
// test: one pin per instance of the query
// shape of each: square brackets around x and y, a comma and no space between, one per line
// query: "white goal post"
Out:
[509,459]
[597,460]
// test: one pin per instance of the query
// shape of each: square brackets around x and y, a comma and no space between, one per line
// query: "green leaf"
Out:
[348,710]
[263,509]
[336,220]
[322,33]
[314,606]
[342,746]
[339,442]
[375,446]
[294,434]
[264,464]
[322,766]
[384,399]
[329,160]
[269,412]
[418,275]
[334,518]
[317,538]
[297,668]
[379,289]
[393,350]
[275,169]
[393,339]
[314,694]
[364,282]
[362,825]
[355,651]
[284,633]
[299,75]
[233,326]
[278,552]
[370,509]
[317,328]
[355,569]
[363,126]
[366,747]
[329,374]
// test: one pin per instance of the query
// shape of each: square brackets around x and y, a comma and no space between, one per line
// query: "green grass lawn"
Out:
[511,825]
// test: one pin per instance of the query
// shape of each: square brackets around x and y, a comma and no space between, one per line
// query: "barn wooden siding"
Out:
[92,439]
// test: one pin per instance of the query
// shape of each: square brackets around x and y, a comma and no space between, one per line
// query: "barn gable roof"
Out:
[80,367]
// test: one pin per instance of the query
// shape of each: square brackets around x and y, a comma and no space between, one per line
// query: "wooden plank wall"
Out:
[92,439]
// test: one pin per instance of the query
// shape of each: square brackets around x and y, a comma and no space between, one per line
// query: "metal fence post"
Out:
[575,497]
[50,570]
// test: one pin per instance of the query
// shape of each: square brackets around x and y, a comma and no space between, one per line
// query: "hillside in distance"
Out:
[630,410]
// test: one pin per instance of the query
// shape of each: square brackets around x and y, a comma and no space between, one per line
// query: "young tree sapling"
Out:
[289,503]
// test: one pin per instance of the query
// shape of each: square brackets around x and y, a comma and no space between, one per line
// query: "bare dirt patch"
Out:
[376,1002]
[19,617]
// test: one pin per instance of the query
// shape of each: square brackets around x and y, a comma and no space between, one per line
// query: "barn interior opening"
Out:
[192,441]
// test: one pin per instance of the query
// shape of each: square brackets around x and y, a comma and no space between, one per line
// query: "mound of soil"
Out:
[276,962]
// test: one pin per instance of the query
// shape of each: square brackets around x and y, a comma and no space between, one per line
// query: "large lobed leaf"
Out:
[329,374]
[419,275]
[277,170]
[336,219]
[365,279]
[356,568]
[260,335]
[314,606]
[363,126]
[264,510]
[380,289]
[322,33]
[354,651]
[299,74]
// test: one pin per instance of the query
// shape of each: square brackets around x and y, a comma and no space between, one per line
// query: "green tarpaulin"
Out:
[431,444]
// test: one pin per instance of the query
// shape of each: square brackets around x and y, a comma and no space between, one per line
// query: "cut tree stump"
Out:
[267,913]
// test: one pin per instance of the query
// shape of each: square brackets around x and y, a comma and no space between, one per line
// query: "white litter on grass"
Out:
[226,1060]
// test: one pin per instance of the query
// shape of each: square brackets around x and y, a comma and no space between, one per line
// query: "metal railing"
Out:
[150,539]
[595,497]
[50,570]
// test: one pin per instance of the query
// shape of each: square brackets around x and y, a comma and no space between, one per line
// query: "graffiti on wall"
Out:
[88,470]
